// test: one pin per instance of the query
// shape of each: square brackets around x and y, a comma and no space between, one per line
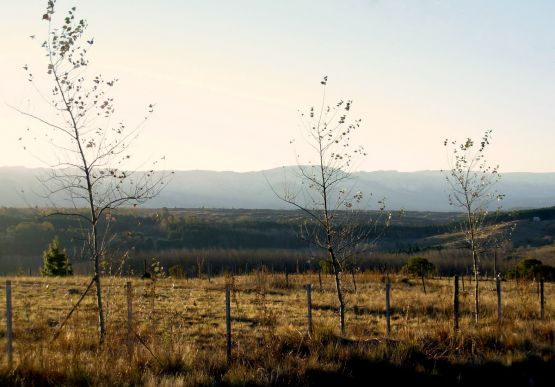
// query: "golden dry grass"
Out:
[180,326]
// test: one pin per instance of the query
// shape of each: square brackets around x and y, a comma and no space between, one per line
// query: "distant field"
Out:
[180,328]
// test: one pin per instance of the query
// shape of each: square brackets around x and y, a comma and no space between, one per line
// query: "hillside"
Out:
[230,237]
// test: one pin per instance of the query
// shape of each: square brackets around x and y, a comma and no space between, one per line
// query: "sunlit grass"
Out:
[181,326]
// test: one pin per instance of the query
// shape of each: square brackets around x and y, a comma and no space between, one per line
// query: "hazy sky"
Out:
[228,76]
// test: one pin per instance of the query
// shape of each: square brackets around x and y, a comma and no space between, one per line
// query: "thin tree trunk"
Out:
[423,283]
[341,304]
[101,321]
[339,291]
[476,288]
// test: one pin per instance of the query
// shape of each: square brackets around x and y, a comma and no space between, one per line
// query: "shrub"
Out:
[55,261]
[157,268]
[177,271]
[530,268]
[420,266]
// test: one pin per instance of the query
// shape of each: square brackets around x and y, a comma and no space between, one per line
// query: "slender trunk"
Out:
[341,302]
[339,291]
[476,287]
[101,321]
[472,228]
[423,283]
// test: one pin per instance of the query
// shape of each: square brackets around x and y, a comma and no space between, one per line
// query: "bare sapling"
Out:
[90,171]
[324,191]
[472,183]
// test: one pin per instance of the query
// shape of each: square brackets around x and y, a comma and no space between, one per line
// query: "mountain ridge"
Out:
[415,191]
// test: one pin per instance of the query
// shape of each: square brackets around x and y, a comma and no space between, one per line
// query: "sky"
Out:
[228,77]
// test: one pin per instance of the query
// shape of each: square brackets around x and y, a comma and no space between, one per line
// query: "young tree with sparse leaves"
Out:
[472,182]
[90,147]
[420,267]
[334,219]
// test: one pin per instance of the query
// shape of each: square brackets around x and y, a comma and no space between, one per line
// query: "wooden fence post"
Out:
[228,322]
[498,288]
[130,335]
[309,307]
[387,307]
[456,303]
[542,300]
[9,332]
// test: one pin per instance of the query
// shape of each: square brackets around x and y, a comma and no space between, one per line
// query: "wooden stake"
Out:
[9,332]
[309,307]
[542,300]
[498,288]
[130,334]
[387,308]
[456,303]
[228,322]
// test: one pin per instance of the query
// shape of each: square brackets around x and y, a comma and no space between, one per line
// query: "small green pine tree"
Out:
[55,262]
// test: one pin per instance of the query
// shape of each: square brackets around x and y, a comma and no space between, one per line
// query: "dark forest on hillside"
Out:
[221,239]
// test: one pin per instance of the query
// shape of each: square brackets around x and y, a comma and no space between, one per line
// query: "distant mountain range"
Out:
[415,191]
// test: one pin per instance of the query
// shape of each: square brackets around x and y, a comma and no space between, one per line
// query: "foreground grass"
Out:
[179,328]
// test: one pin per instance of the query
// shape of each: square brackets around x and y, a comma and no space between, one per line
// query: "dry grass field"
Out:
[179,328]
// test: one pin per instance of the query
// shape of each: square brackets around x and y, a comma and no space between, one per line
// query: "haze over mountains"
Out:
[416,191]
